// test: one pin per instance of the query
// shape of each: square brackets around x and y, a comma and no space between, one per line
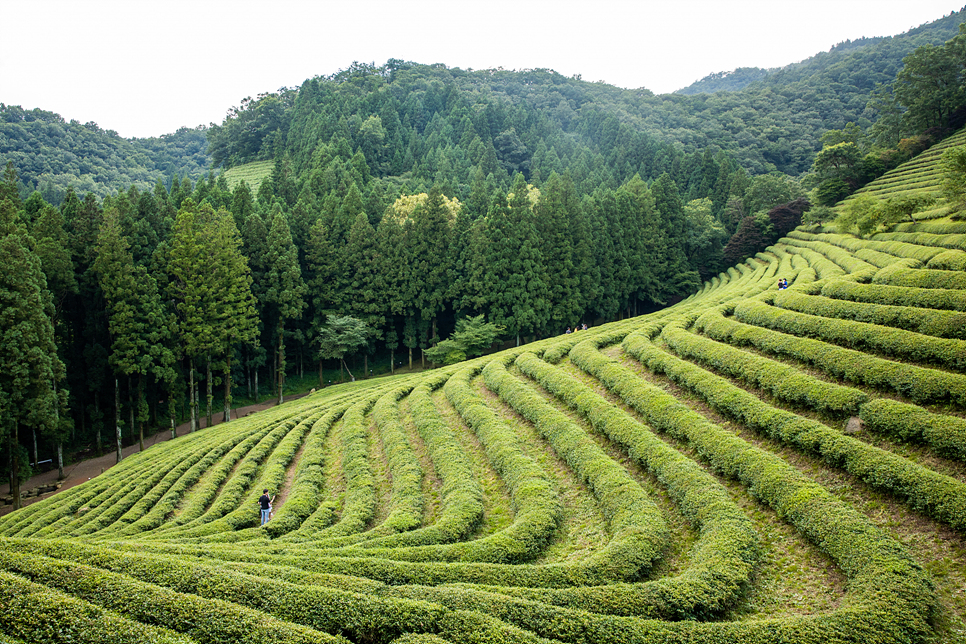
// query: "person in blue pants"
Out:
[266,504]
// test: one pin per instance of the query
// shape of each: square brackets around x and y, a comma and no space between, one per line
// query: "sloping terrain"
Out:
[752,464]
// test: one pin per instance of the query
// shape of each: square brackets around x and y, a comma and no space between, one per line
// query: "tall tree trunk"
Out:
[97,425]
[140,405]
[209,396]
[33,431]
[256,383]
[13,442]
[281,362]
[117,417]
[193,422]
[130,404]
[174,428]
[60,461]
[410,358]
[248,373]
[392,362]
[365,366]
[227,383]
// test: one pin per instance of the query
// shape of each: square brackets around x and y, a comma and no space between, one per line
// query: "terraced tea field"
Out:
[251,173]
[751,465]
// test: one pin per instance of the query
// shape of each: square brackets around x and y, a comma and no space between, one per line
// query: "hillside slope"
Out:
[752,464]
[50,154]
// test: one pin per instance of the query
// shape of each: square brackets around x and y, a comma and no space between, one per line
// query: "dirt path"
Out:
[82,471]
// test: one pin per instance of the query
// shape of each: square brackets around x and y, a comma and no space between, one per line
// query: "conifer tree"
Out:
[192,290]
[557,213]
[29,365]
[236,320]
[516,277]
[137,320]
[431,257]
[51,246]
[285,291]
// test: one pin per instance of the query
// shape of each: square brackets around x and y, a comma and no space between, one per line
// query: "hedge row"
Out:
[320,515]
[898,343]
[360,617]
[150,512]
[941,324]
[359,503]
[891,599]
[952,260]
[537,505]
[204,494]
[461,505]
[919,384]
[208,621]
[405,472]
[95,504]
[62,509]
[145,491]
[538,508]
[638,530]
[784,382]
[895,248]
[898,275]
[559,349]
[936,227]
[305,494]
[925,298]
[315,529]
[36,613]
[726,552]
[822,266]
[55,512]
[946,435]
[242,523]
[845,260]
[947,240]
[938,495]
[228,496]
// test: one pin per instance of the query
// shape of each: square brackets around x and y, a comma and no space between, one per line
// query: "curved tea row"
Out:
[455,505]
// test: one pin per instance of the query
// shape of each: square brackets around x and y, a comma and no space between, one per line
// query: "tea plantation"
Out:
[752,465]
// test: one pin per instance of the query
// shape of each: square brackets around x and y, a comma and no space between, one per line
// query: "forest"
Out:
[413,199]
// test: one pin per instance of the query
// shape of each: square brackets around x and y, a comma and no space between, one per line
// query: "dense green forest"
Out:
[413,199]
[51,154]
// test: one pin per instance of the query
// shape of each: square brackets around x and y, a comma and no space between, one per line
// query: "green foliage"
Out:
[472,337]
[341,335]
[51,155]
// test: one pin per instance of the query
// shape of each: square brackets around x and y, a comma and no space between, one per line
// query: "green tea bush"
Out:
[942,324]
[945,434]
[919,384]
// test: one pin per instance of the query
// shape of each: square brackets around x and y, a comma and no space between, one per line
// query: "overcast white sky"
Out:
[146,68]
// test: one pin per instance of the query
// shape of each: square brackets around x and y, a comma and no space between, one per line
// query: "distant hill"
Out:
[859,63]
[51,154]
[764,120]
